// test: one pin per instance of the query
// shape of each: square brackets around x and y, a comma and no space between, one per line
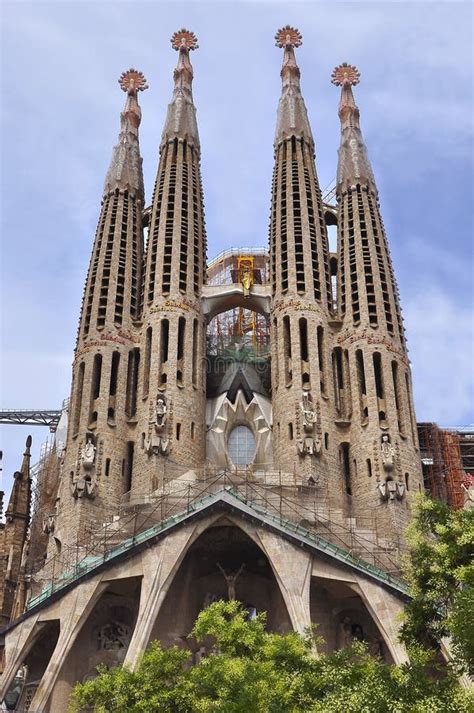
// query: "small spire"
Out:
[353,165]
[292,117]
[25,466]
[19,502]
[181,117]
[125,172]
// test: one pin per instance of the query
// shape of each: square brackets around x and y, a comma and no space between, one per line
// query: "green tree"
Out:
[252,671]
[440,572]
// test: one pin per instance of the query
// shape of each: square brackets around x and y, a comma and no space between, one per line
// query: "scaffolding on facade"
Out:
[442,462]
[239,327]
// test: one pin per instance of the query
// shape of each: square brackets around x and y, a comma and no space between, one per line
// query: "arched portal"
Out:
[103,639]
[223,550]
[342,617]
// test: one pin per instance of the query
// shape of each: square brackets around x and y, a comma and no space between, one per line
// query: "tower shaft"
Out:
[98,459]
[172,384]
[300,281]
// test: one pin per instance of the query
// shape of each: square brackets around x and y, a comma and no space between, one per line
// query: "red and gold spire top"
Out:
[292,118]
[125,171]
[181,117]
[353,165]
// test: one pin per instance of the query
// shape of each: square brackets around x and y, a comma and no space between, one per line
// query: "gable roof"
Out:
[225,500]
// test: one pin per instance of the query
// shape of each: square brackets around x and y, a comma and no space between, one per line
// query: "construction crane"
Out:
[38,417]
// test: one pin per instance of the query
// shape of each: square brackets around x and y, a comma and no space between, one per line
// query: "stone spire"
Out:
[292,118]
[181,117]
[19,504]
[13,535]
[125,171]
[353,164]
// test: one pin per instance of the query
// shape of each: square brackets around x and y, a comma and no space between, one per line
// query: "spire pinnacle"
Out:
[292,118]
[125,171]
[353,164]
[181,117]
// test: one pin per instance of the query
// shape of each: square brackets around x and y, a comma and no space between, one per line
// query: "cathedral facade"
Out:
[242,428]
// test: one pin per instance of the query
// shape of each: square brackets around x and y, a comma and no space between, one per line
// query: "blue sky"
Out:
[60,118]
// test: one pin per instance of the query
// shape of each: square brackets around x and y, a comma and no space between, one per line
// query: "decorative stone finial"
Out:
[184,40]
[288,37]
[345,75]
[28,443]
[132,81]
[181,117]
[353,164]
[292,117]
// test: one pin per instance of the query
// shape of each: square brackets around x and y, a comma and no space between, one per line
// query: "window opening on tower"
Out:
[180,350]
[164,349]
[364,410]
[95,388]
[287,350]
[147,361]
[379,386]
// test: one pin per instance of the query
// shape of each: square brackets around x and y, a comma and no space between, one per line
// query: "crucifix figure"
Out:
[231,580]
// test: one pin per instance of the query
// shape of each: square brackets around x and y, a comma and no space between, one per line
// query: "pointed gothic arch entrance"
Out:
[222,548]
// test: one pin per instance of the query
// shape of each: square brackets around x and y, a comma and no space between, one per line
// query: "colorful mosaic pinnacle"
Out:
[288,37]
[345,74]
[132,81]
[184,40]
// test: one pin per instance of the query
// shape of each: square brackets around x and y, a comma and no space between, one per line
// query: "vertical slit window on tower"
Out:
[78,405]
[369,467]
[283,223]
[197,223]
[122,262]
[364,410]
[321,359]
[273,221]
[398,401]
[95,264]
[114,367]
[107,467]
[127,486]
[132,382]
[303,331]
[346,466]
[153,239]
[195,352]
[169,223]
[312,237]
[275,352]
[410,410]
[353,262]
[95,387]
[297,224]
[107,266]
[287,350]
[377,360]
[341,263]
[342,388]
[180,349]
[183,254]
[164,348]
[147,364]
[136,264]
[382,258]
[367,261]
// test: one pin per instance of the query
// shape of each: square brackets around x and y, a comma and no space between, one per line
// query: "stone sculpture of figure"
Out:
[113,636]
[157,442]
[309,415]
[231,580]
[160,413]
[388,452]
[88,453]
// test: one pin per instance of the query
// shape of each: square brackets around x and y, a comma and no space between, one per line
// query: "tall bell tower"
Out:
[172,384]
[378,445]
[103,405]
[300,282]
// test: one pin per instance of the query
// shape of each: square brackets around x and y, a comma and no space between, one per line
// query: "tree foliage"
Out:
[252,671]
[440,572]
